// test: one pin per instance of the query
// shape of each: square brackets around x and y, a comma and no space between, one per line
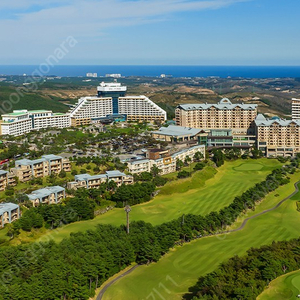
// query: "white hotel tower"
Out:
[112,101]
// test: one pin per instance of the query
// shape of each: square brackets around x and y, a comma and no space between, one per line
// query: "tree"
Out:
[155,170]
[74,172]
[218,157]
[62,174]
[256,153]
[187,160]
[198,156]
[199,166]
[183,174]
[179,164]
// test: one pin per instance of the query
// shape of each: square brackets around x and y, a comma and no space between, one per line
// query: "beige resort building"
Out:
[25,169]
[94,181]
[223,115]
[277,137]
[9,212]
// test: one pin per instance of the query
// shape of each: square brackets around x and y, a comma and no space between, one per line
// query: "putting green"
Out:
[205,192]
[249,167]
[178,270]
[286,287]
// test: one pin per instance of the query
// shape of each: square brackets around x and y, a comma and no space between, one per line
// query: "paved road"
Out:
[233,230]
[99,297]
[267,210]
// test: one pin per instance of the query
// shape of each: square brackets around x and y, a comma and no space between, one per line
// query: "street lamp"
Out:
[127,209]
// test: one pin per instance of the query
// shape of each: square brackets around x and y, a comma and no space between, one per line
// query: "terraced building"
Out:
[112,101]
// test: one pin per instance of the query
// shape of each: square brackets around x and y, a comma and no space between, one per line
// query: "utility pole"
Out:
[127,209]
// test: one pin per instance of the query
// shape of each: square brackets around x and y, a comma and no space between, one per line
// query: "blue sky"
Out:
[176,32]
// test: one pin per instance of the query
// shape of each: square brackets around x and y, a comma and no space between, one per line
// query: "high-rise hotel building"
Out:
[277,137]
[295,109]
[224,115]
[112,100]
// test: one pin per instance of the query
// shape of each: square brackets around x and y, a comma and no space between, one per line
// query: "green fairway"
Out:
[285,287]
[178,270]
[206,191]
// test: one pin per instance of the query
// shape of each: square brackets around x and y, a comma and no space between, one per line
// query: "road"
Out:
[99,297]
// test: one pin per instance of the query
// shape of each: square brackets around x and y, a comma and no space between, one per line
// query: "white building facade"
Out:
[167,164]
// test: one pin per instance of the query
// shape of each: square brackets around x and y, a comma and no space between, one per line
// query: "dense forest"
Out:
[246,277]
[79,264]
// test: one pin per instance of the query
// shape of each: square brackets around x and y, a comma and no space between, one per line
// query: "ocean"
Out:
[154,71]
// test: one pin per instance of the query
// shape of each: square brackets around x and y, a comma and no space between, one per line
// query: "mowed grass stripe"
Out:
[205,192]
[286,287]
[187,263]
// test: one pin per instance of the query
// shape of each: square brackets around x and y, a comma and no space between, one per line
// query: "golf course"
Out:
[178,270]
[207,190]
[286,287]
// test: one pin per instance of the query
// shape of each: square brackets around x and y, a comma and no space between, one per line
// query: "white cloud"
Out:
[35,34]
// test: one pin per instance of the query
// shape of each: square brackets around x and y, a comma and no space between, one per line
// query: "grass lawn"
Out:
[178,270]
[206,191]
[3,236]
[286,287]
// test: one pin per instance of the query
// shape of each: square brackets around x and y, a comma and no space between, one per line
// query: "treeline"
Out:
[81,206]
[78,265]
[133,194]
[246,277]
[75,209]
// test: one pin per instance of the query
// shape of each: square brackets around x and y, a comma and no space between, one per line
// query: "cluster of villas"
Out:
[26,169]
[10,212]
[110,104]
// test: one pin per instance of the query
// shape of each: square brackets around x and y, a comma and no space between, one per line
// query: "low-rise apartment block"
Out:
[48,195]
[48,119]
[20,122]
[277,137]
[26,169]
[94,181]
[6,179]
[223,115]
[9,212]
[165,164]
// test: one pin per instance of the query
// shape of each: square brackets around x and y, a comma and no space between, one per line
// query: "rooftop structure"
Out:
[176,134]
[224,104]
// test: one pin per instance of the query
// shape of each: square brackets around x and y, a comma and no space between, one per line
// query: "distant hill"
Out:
[29,100]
